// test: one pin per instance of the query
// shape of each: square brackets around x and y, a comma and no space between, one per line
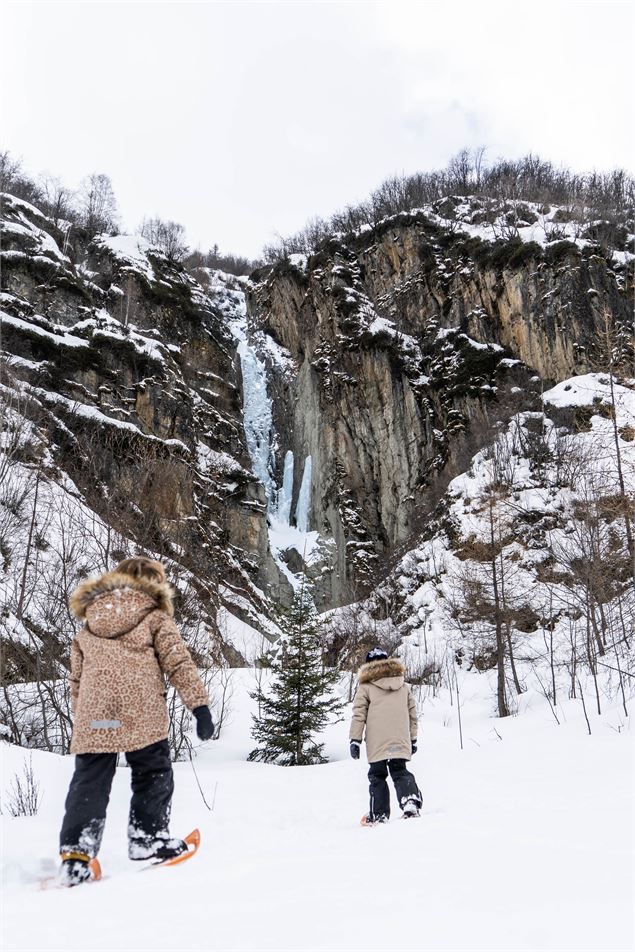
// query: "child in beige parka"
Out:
[385,709]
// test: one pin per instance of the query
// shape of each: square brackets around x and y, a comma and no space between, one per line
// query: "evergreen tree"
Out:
[300,701]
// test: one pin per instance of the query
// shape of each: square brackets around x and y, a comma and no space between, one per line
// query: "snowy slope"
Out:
[524,843]
[542,508]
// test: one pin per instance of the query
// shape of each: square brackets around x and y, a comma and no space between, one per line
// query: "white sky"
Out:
[244,119]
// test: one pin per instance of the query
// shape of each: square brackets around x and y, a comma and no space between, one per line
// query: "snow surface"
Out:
[251,643]
[524,843]
[587,389]
[22,225]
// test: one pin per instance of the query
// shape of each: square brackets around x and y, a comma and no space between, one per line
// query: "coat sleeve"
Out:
[74,677]
[412,714]
[176,663]
[360,712]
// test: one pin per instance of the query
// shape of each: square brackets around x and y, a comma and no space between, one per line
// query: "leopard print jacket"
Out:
[120,659]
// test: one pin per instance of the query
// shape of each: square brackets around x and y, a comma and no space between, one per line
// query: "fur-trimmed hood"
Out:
[389,671]
[115,602]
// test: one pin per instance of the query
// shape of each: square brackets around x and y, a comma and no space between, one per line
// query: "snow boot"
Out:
[157,850]
[410,808]
[370,819]
[74,869]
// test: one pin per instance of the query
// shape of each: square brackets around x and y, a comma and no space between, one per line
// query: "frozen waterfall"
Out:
[257,411]
[286,492]
[303,507]
[258,423]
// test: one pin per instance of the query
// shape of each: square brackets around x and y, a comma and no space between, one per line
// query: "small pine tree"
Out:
[300,701]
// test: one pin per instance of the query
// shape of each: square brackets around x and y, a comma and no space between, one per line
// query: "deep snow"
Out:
[524,843]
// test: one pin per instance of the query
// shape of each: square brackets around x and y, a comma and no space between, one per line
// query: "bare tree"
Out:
[614,350]
[166,235]
[98,206]
[59,200]
[10,170]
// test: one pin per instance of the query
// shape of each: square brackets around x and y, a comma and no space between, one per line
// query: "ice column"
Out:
[303,507]
[286,492]
[257,415]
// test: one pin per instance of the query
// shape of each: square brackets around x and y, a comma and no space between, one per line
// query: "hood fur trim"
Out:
[86,593]
[382,668]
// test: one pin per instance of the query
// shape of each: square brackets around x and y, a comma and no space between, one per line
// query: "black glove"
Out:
[414,746]
[204,722]
[355,744]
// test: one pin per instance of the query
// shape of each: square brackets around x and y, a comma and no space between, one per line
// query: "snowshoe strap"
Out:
[73,854]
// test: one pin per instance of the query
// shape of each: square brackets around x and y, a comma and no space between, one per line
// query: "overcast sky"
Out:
[244,119]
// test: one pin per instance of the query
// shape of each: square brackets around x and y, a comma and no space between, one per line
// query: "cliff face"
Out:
[129,370]
[411,342]
[308,419]
[542,303]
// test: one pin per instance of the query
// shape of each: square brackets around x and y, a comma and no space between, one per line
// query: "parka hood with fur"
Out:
[386,673]
[160,592]
[115,603]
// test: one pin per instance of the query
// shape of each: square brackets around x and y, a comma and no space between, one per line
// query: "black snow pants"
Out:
[405,786]
[152,788]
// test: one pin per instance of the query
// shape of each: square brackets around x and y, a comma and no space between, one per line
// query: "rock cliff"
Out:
[307,419]
[128,369]
[411,342]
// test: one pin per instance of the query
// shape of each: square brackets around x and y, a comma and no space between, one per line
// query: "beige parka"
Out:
[119,661]
[384,706]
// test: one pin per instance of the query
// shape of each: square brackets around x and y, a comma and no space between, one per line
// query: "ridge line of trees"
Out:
[92,209]
[605,196]
[608,196]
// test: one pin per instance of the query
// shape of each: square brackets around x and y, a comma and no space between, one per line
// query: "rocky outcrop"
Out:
[543,304]
[130,369]
[412,341]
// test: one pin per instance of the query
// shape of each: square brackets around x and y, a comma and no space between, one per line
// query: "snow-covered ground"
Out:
[524,843]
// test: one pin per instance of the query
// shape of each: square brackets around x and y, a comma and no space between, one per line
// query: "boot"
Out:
[410,808]
[370,819]
[156,849]
[74,869]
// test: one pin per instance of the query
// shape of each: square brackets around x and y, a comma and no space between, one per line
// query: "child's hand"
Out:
[204,722]
[355,749]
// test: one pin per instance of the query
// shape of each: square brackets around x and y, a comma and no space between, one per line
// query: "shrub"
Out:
[24,794]
[559,251]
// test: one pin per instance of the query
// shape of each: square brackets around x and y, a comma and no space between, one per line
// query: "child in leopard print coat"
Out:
[119,661]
